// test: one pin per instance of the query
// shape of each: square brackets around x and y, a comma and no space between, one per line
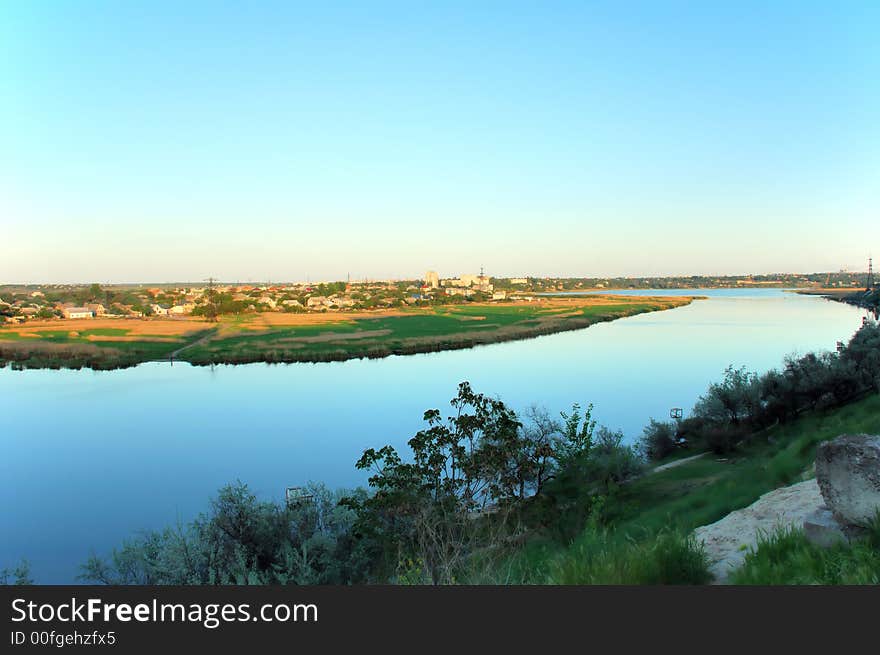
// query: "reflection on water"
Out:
[89,458]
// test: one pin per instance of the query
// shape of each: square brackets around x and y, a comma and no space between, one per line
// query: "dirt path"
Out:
[727,541]
[678,462]
[197,342]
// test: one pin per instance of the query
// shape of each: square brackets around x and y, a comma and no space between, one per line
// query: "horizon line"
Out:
[363,279]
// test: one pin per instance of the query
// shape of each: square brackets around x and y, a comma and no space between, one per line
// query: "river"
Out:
[90,458]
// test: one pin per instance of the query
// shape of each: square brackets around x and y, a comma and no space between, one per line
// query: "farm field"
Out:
[305,337]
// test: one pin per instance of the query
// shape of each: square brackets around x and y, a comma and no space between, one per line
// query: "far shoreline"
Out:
[317,338]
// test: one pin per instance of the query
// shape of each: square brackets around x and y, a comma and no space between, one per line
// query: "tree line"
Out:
[744,403]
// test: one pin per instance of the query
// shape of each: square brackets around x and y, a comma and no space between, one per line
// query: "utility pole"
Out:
[212,300]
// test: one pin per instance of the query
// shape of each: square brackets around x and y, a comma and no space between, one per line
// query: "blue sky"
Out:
[272,140]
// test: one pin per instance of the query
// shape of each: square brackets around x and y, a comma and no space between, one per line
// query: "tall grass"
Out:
[665,558]
[788,558]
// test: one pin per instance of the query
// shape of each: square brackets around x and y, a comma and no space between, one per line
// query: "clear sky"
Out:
[167,141]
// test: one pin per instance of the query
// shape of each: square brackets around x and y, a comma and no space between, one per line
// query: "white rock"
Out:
[727,541]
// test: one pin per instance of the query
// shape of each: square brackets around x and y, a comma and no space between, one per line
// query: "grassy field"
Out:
[311,337]
[414,331]
[675,501]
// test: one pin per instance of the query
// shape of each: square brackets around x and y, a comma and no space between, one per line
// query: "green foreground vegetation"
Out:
[643,513]
[788,558]
[242,338]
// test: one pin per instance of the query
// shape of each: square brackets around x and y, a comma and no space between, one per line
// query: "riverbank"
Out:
[833,293]
[315,337]
[859,298]
[701,492]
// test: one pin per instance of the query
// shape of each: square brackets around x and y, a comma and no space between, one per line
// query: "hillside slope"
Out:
[697,493]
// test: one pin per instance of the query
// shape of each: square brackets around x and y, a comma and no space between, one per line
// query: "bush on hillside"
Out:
[723,439]
[242,540]
[734,400]
[611,462]
[658,440]
[746,402]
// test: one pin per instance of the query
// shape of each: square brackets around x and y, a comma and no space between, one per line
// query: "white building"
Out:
[77,312]
[481,282]
[432,279]
[185,308]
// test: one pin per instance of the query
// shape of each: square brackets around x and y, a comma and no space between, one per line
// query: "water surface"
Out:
[89,458]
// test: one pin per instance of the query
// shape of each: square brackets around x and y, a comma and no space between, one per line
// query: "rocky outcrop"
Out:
[729,540]
[848,473]
[831,509]
[822,529]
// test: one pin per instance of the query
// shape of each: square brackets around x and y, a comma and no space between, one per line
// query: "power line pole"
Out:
[212,300]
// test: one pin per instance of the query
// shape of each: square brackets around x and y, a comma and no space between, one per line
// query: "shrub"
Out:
[690,432]
[18,575]
[609,462]
[723,439]
[812,381]
[658,440]
[242,540]
[734,400]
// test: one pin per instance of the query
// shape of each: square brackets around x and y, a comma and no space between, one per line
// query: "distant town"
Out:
[21,303]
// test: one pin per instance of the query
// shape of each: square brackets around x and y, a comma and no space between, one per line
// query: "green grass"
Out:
[600,557]
[707,489]
[697,493]
[59,350]
[63,336]
[54,336]
[105,332]
[787,558]
[442,329]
